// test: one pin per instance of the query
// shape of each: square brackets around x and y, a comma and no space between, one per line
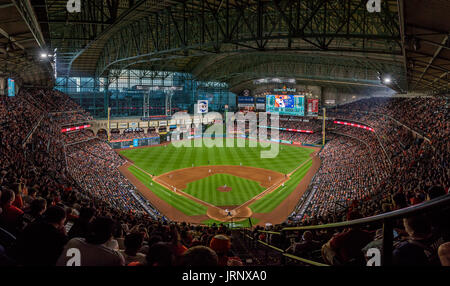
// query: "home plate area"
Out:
[226,191]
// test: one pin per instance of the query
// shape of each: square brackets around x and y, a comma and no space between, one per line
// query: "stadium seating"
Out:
[363,173]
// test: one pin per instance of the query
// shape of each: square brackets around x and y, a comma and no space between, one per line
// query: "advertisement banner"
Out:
[143,124]
[11,87]
[246,101]
[330,102]
[313,106]
[261,103]
[75,128]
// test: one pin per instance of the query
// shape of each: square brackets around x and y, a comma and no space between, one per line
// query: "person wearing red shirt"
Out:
[11,216]
[345,247]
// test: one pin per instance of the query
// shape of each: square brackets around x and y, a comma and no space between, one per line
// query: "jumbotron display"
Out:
[286,104]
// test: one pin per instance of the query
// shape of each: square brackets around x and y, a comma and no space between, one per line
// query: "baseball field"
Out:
[219,184]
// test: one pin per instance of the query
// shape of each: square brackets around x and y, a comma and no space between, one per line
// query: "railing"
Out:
[376,134]
[232,223]
[387,220]
[25,141]
[398,123]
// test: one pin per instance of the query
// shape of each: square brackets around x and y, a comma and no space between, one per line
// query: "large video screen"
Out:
[286,104]
[11,87]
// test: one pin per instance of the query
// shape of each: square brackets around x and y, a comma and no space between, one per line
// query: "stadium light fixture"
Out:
[387,80]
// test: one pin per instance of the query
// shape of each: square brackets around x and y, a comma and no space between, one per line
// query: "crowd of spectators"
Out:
[94,165]
[73,137]
[402,160]
[422,239]
[131,133]
[339,182]
[365,173]
[299,137]
[71,118]
[294,122]
[55,197]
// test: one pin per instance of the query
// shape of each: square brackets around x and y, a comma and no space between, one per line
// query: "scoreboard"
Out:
[286,104]
[11,87]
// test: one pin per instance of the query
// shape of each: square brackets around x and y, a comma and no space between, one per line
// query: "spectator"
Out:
[221,244]
[81,226]
[36,210]
[43,241]
[28,199]
[421,245]
[305,246]
[199,256]
[133,243]
[11,216]
[444,254]
[160,254]
[345,247]
[92,249]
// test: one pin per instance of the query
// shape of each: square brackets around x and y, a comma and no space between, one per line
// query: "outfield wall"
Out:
[298,143]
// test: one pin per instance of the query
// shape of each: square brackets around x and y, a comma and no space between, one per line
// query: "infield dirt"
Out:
[267,178]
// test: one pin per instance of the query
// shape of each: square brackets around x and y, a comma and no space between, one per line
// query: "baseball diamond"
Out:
[223,133]
[255,191]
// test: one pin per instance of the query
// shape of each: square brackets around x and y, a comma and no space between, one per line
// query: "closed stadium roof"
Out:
[234,41]
[21,42]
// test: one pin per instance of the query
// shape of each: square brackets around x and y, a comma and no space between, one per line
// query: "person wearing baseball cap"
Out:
[221,244]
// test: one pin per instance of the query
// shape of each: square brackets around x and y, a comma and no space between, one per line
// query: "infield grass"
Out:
[206,190]
[181,203]
[270,201]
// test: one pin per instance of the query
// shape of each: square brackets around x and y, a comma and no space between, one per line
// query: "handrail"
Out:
[82,141]
[304,260]
[283,252]
[376,134]
[386,216]
[386,219]
[393,119]
[32,130]
[398,123]
[66,112]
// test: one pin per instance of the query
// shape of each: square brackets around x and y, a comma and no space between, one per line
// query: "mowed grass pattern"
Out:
[206,190]
[162,159]
[270,201]
[181,203]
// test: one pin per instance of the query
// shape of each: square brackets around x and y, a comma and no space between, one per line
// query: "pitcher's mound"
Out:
[224,189]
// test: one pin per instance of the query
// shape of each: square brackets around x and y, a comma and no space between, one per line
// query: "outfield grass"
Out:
[206,190]
[270,201]
[181,203]
[162,159]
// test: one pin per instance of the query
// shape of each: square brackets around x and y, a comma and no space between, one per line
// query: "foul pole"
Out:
[109,130]
[323,127]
